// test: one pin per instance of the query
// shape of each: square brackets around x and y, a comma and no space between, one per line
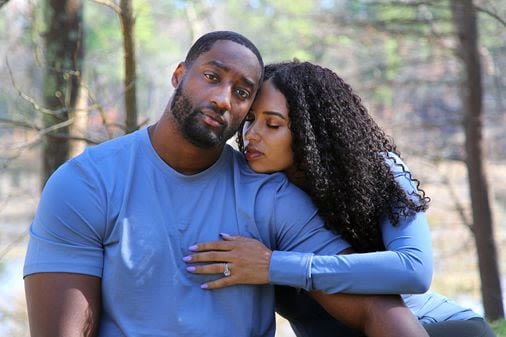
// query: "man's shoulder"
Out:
[99,162]
[115,146]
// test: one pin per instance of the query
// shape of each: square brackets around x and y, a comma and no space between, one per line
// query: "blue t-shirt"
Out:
[120,213]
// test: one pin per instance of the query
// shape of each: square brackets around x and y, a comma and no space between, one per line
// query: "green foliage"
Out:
[103,41]
[499,328]
[289,31]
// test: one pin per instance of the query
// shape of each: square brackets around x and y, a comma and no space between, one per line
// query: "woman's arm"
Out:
[405,267]
[374,315]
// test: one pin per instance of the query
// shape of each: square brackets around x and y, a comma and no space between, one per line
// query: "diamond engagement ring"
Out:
[226,271]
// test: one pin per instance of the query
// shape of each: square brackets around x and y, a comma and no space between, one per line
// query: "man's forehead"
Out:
[232,56]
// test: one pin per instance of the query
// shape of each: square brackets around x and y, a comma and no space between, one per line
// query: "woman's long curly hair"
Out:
[342,152]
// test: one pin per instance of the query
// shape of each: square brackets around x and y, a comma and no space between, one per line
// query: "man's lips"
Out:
[252,154]
[213,119]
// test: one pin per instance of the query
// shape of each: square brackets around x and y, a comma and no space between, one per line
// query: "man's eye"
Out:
[243,94]
[211,77]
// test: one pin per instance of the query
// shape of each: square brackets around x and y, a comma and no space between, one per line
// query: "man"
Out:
[114,224]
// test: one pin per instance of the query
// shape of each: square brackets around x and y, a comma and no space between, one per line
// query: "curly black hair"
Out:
[342,152]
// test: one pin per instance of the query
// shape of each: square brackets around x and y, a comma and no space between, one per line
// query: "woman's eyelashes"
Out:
[273,126]
[270,122]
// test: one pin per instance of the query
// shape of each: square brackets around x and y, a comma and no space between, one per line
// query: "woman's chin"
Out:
[259,168]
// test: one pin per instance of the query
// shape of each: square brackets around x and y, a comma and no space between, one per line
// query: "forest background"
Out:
[78,72]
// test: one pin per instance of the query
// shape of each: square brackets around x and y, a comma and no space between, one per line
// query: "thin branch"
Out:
[42,133]
[491,14]
[70,137]
[112,5]
[12,244]
[19,124]
[457,204]
[29,99]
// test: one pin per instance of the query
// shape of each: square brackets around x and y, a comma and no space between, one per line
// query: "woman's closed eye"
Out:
[273,126]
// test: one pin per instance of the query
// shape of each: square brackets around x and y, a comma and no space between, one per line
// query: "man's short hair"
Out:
[206,41]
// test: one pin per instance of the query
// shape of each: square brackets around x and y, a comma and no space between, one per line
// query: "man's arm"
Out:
[375,316]
[63,304]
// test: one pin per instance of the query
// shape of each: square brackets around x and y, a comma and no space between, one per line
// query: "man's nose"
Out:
[222,98]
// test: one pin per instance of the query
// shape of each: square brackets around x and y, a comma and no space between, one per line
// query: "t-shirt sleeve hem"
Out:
[68,268]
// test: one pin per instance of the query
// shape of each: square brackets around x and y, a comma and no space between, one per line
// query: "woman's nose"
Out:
[251,133]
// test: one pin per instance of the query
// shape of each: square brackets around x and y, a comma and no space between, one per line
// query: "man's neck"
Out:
[177,152]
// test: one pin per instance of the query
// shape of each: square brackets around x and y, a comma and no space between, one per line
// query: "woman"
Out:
[308,123]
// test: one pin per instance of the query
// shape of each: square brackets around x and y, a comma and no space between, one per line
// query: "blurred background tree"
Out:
[432,82]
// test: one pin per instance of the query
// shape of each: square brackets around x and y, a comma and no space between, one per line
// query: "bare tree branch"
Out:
[29,99]
[13,243]
[19,124]
[111,4]
[491,14]
[459,208]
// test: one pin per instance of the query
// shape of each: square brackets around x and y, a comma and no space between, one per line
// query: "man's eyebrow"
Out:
[220,65]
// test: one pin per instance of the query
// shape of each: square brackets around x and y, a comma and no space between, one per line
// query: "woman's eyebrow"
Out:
[274,113]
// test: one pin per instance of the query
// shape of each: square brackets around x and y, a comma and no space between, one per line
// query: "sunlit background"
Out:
[399,56]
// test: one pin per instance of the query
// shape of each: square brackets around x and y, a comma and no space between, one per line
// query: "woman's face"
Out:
[267,137]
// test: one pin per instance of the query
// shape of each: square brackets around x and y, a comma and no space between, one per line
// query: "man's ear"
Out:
[178,74]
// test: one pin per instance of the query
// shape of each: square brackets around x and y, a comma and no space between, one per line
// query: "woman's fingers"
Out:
[212,256]
[227,243]
[213,268]
[220,283]
[228,237]
[211,245]
[247,260]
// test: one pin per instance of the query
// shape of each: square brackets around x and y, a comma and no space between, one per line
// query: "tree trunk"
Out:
[127,26]
[464,17]
[3,2]
[79,124]
[64,53]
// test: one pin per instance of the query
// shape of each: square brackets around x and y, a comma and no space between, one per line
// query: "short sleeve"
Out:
[67,230]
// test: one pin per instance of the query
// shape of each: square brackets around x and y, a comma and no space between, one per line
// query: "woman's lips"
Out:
[252,154]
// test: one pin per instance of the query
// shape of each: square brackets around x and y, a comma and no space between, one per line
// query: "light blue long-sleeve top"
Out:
[404,267]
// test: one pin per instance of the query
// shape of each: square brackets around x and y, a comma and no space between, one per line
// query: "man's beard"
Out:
[191,126]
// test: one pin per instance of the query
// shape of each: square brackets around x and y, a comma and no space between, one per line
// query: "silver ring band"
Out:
[226,270]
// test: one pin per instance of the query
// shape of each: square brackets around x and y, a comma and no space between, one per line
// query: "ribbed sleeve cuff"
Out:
[291,269]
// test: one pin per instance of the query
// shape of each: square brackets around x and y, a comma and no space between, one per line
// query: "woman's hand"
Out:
[247,260]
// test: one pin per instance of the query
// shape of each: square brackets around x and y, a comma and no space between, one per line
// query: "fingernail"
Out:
[193,248]
[204,286]
[225,234]
[191,269]
[187,258]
